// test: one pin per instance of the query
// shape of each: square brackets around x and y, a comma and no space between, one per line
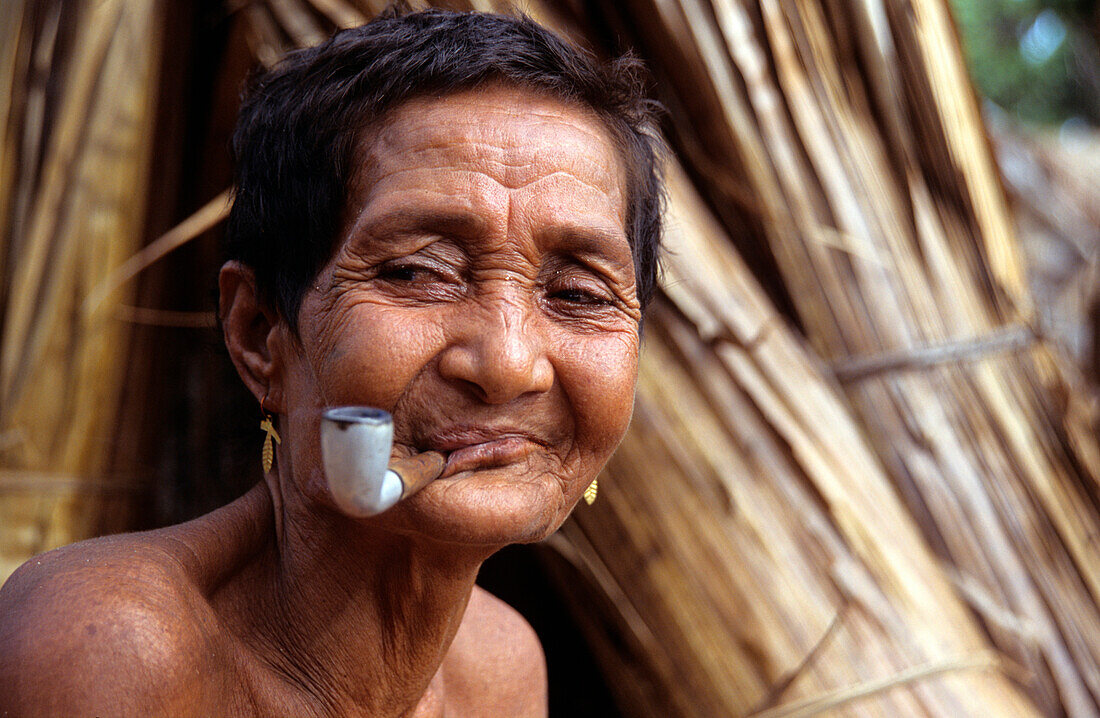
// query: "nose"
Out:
[498,351]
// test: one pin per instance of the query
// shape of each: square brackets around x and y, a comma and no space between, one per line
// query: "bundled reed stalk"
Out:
[79,84]
[852,128]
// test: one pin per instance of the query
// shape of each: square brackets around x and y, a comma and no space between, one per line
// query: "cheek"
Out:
[375,353]
[599,374]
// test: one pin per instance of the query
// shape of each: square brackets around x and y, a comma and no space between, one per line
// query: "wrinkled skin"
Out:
[485,287]
[483,292]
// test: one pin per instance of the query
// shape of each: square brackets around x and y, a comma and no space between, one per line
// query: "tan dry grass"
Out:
[69,221]
[852,127]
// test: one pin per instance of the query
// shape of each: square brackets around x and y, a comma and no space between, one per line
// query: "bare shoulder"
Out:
[495,665]
[100,627]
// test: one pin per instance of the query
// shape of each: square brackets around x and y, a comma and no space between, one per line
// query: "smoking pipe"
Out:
[355,450]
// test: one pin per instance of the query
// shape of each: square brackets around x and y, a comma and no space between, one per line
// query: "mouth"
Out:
[468,451]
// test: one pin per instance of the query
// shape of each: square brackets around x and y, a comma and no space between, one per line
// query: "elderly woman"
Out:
[452,217]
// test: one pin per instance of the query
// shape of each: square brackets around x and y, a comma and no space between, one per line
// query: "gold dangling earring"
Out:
[590,492]
[268,454]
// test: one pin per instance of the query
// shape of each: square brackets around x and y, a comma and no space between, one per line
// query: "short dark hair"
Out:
[300,124]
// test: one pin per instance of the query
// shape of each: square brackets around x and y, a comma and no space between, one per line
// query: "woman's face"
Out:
[484,294]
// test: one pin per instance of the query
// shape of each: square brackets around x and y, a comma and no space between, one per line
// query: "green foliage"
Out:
[1036,59]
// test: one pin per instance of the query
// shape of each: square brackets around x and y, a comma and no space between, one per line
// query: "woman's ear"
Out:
[248,326]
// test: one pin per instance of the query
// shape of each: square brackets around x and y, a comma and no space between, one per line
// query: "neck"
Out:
[360,618]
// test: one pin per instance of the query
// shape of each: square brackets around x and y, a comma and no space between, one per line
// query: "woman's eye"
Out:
[580,296]
[420,279]
[407,273]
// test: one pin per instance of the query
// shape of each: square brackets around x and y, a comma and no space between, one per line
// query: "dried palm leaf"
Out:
[72,217]
[853,128]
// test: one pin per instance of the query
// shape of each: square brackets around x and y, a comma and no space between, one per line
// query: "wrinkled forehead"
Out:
[517,136]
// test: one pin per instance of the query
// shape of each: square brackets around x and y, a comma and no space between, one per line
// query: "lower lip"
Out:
[499,452]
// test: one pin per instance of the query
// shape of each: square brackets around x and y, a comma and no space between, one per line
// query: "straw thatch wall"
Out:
[80,82]
[858,140]
[858,479]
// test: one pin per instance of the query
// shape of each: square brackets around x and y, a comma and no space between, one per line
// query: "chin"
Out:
[486,508]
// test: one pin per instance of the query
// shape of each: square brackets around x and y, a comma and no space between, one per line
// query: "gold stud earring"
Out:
[590,492]
[268,455]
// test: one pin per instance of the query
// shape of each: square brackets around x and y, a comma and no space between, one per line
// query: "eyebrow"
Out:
[410,220]
[592,242]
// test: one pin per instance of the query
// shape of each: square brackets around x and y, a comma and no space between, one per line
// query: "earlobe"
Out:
[247,326]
